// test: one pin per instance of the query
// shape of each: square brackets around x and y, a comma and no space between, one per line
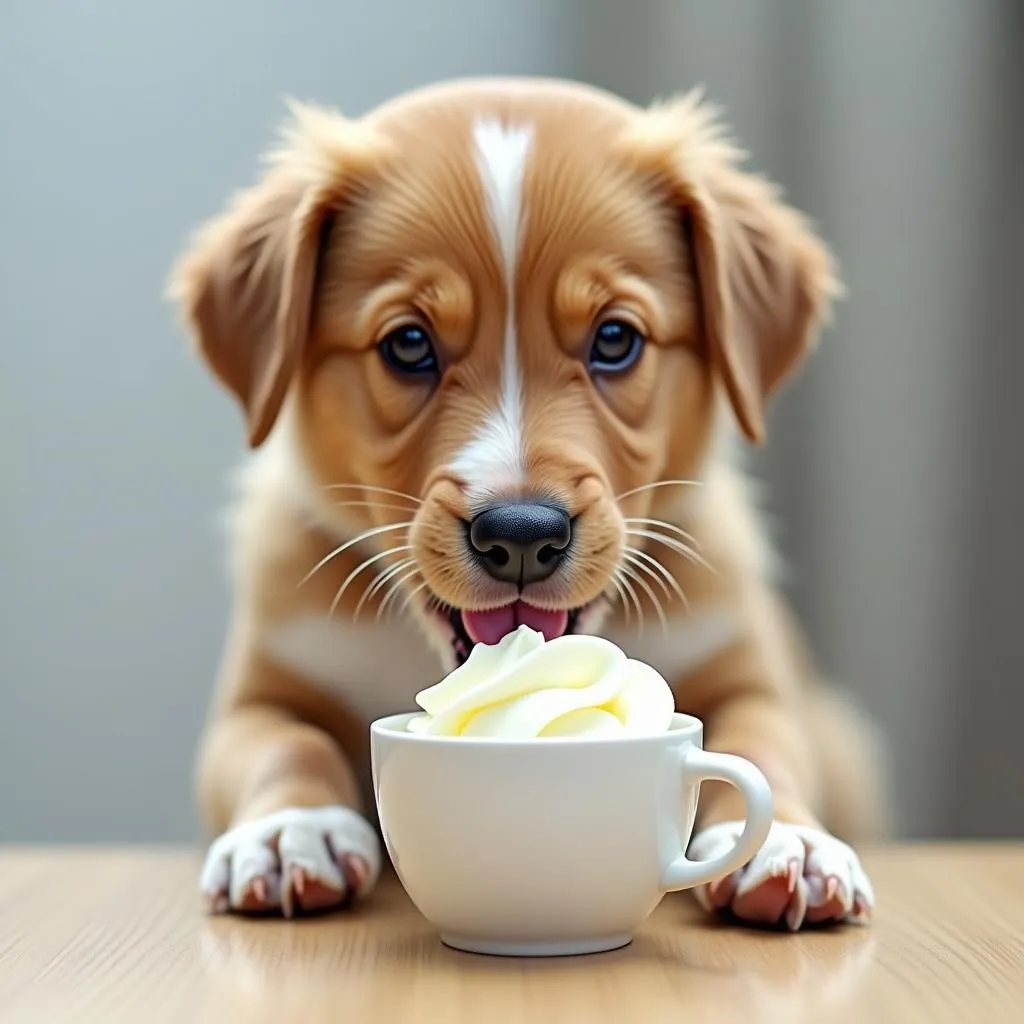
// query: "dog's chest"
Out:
[378,669]
[374,669]
[686,644]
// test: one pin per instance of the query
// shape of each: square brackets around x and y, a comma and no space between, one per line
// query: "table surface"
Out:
[117,934]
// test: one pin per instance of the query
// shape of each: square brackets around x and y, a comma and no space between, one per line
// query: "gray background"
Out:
[894,463]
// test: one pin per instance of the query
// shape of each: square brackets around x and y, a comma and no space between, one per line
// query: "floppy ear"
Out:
[246,285]
[765,280]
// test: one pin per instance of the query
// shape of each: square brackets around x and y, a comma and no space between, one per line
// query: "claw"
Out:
[355,871]
[796,912]
[844,897]
[861,912]
[289,905]
[793,875]
[259,889]
[292,893]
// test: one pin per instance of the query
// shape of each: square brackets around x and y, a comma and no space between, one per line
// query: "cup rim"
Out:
[394,728]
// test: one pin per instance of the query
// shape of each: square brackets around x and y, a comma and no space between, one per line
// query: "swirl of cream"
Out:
[526,688]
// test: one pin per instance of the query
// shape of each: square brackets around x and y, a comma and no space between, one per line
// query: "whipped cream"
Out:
[525,688]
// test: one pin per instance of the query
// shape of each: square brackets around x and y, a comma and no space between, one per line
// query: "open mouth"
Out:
[488,627]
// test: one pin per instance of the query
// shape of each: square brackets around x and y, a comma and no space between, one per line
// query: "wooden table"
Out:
[116,935]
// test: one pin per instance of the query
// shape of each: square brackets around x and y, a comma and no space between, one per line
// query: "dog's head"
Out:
[510,308]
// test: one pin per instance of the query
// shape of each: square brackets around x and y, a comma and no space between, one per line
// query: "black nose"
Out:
[520,543]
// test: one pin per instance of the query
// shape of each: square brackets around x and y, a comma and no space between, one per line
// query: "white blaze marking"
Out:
[494,457]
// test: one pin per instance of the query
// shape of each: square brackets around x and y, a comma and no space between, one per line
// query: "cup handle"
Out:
[698,765]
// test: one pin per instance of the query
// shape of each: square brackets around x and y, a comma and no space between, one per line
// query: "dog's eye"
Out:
[616,346]
[409,349]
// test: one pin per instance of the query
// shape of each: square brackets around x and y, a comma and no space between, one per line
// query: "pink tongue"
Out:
[490,626]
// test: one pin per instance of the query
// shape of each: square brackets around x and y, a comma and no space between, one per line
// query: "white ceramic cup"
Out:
[555,846]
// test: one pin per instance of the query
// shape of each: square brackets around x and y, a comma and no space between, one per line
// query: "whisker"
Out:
[365,535]
[671,580]
[366,563]
[671,527]
[648,590]
[636,600]
[371,504]
[659,483]
[620,592]
[375,490]
[409,597]
[632,560]
[394,589]
[676,545]
[382,577]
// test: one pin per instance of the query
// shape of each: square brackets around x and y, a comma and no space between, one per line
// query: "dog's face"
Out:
[508,309]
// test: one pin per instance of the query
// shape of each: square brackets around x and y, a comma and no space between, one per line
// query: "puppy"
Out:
[492,343]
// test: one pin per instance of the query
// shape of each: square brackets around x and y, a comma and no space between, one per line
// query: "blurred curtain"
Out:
[891,462]
[988,795]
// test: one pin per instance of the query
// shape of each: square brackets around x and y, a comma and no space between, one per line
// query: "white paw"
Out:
[800,876]
[295,859]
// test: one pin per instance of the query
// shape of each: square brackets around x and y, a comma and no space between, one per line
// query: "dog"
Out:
[498,345]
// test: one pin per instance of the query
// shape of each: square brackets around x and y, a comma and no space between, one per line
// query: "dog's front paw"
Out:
[292,860]
[800,876]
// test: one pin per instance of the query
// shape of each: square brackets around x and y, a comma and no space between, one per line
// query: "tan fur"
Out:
[359,226]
